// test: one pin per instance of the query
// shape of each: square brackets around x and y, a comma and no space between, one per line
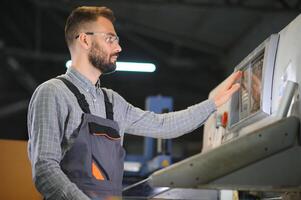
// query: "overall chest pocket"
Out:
[107,153]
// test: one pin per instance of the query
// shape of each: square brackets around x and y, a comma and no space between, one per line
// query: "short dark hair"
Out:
[83,15]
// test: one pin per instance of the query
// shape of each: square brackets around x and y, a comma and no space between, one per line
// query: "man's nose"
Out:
[118,48]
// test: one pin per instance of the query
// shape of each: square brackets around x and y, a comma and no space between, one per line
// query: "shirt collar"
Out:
[83,82]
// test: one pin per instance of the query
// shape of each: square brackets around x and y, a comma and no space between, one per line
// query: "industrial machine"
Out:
[253,142]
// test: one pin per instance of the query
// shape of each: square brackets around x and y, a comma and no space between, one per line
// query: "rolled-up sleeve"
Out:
[46,129]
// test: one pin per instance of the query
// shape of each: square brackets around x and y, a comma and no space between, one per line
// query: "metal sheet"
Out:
[229,157]
[280,172]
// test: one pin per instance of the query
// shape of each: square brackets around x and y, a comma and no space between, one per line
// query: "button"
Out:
[225,119]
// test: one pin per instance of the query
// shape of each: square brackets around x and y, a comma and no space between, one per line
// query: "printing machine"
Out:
[253,142]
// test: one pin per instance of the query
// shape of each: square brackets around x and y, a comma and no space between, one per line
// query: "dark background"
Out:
[195,44]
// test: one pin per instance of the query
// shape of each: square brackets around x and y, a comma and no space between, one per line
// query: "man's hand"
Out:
[227,89]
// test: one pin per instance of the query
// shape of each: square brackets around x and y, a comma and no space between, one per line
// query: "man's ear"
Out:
[84,41]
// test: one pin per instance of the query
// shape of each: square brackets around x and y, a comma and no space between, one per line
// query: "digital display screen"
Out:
[250,92]
[244,95]
[256,86]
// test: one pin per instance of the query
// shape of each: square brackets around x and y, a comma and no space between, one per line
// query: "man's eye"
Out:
[109,38]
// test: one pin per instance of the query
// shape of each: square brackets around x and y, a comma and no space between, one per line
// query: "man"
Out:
[76,128]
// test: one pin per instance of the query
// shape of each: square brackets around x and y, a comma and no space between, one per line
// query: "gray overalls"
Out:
[95,160]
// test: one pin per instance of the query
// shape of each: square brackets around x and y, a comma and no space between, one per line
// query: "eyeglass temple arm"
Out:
[87,33]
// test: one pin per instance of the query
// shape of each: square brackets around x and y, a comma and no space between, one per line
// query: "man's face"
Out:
[101,59]
[104,49]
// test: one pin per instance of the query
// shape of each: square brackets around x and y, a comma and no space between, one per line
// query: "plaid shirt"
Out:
[54,114]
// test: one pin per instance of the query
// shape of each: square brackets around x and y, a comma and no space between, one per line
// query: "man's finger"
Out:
[233,89]
[236,76]
[233,78]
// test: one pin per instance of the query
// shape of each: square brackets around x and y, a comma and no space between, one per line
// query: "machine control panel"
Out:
[251,103]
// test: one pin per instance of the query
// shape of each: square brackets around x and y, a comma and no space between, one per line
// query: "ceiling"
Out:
[195,44]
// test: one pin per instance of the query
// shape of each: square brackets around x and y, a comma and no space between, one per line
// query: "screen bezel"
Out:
[269,49]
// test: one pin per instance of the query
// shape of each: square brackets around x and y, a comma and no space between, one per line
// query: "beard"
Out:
[99,59]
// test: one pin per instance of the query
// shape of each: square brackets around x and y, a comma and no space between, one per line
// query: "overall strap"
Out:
[108,105]
[79,96]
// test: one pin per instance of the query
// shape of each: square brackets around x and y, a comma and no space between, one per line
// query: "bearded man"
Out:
[76,127]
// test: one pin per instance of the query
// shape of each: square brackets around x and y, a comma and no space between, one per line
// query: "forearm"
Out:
[173,124]
[53,183]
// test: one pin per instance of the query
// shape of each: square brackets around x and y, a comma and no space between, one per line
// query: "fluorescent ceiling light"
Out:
[129,66]
[135,67]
